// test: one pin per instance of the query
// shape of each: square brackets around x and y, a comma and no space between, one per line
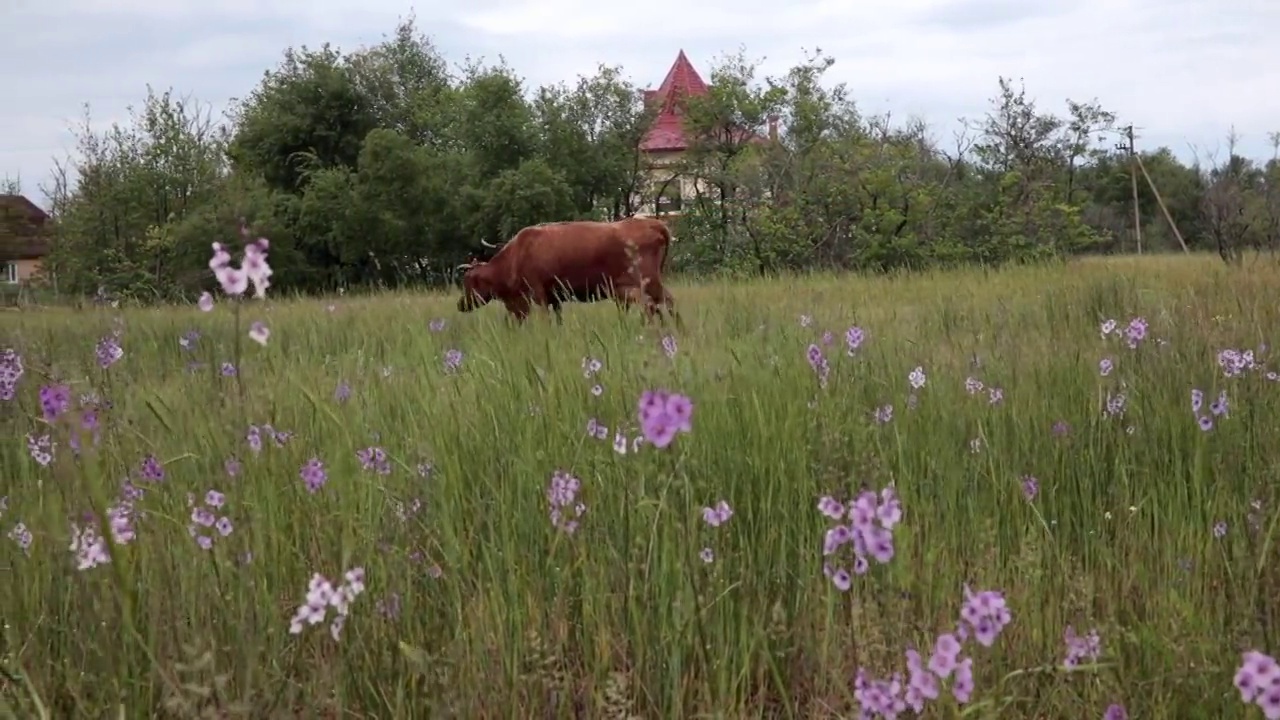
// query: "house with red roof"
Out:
[668,139]
[24,239]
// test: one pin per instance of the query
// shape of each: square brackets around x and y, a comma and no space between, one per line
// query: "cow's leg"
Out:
[625,297]
[519,309]
[543,299]
[655,296]
[556,308]
[669,303]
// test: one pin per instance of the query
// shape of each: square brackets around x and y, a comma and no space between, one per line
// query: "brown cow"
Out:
[551,263]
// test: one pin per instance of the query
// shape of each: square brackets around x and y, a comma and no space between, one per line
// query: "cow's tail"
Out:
[668,237]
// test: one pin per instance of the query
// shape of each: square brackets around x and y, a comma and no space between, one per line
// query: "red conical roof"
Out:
[682,81]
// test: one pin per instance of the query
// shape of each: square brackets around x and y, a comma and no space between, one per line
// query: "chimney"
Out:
[773,128]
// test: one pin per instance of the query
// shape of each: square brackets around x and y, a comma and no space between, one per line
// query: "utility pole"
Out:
[1133,184]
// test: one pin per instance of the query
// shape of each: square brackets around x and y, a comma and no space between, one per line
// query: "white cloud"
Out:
[1185,71]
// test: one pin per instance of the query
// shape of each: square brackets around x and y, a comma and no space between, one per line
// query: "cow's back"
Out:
[586,256]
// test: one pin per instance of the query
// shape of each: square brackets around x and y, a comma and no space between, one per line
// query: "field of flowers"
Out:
[1035,493]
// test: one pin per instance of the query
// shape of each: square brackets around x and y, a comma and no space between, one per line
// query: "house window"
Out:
[667,196]
[10,273]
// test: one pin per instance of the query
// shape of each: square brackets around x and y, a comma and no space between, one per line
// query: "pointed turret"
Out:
[667,133]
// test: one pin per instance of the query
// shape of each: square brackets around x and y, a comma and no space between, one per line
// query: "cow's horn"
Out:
[487,244]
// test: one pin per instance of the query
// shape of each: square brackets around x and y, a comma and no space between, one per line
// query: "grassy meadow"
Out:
[417,485]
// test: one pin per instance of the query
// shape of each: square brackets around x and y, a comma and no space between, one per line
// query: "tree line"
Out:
[384,167]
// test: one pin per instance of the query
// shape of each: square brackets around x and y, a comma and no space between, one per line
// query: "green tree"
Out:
[384,167]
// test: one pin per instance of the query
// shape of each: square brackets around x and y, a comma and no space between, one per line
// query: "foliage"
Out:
[383,167]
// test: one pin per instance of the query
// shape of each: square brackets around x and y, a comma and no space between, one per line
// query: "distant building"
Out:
[668,139]
[24,239]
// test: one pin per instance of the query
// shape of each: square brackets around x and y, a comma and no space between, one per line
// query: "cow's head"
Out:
[478,285]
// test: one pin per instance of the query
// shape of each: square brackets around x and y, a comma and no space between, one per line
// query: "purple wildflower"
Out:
[54,400]
[108,352]
[562,492]
[1219,530]
[41,448]
[986,614]
[404,512]
[259,332]
[151,470]
[1235,362]
[1081,647]
[322,595]
[973,385]
[916,378]
[1105,366]
[89,545]
[597,429]
[818,361]
[669,346]
[1115,405]
[313,475]
[663,415]
[962,687]
[374,459]
[279,437]
[205,521]
[90,424]
[452,361]
[717,515]
[946,656]
[592,366]
[22,536]
[437,324]
[853,338]
[1136,332]
[922,684]
[883,414]
[878,697]
[254,267]
[342,392]
[11,370]
[1030,487]
[1258,680]
[1220,407]
[1115,711]
[869,530]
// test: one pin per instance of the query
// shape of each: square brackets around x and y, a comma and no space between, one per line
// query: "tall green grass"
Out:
[476,606]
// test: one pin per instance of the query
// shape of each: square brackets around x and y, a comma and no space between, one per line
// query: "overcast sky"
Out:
[1184,71]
